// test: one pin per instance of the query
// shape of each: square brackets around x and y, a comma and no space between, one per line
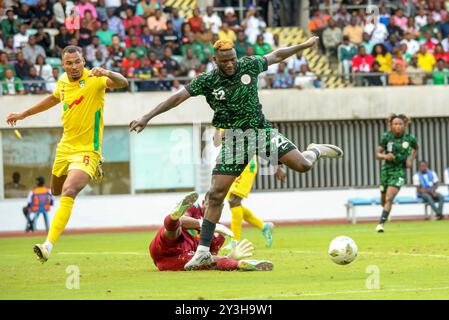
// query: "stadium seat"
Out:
[318,63]
[54,62]
[352,203]
[407,200]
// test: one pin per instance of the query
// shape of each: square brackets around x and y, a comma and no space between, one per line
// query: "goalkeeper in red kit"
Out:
[176,242]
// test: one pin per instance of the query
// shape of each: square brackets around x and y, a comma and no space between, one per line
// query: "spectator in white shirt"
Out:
[412,44]
[33,50]
[21,38]
[51,82]
[305,79]
[252,25]
[295,62]
[445,44]
[421,19]
[212,20]
[43,69]
[61,13]
[377,31]
[426,182]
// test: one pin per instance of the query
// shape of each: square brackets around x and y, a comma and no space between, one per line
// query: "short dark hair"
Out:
[71,49]
[40,181]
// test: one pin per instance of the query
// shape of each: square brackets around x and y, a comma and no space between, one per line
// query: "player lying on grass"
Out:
[176,242]
[231,90]
[78,155]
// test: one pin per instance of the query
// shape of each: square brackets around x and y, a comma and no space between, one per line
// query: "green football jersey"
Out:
[234,99]
[401,147]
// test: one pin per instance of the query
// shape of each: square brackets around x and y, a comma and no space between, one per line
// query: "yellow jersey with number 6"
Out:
[82,115]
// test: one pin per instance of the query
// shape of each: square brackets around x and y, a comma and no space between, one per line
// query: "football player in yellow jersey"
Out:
[78,155]
[240,188]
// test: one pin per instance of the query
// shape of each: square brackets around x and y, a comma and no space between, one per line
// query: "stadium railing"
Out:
[352,203]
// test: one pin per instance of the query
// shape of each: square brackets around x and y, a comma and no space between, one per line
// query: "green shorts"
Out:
[239,147]
[394,177]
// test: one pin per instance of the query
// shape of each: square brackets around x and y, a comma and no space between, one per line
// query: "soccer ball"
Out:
[342,250]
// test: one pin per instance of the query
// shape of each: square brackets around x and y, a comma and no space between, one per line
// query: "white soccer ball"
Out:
[342,250]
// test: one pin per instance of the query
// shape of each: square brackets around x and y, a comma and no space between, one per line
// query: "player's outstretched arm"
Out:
[284,53]
[115,79]
[45,104]
[173,101]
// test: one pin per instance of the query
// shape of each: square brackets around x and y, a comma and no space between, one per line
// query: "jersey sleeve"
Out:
[384,141]
[413,142]
[258,64]
[102,83]
[56,93]
[196,87]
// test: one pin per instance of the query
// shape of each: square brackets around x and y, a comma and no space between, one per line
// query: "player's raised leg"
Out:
[75,182]
[171,222]
[304,161]
[219,188]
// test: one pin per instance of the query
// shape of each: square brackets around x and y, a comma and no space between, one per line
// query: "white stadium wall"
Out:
[278,105]
[151,209]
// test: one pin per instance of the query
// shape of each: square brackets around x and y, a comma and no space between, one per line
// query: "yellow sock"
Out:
[60,219]
[236,222]
[249,217]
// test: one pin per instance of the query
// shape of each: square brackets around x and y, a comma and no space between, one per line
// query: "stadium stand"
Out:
[413,41]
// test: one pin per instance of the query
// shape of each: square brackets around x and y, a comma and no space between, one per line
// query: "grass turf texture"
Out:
[412,258]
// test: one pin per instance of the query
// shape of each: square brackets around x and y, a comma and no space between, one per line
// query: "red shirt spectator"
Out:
[129,65]
[196,21]
[362,62]
[133,21]
[440,54]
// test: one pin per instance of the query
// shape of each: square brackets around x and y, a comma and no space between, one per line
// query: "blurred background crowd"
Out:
[149,41]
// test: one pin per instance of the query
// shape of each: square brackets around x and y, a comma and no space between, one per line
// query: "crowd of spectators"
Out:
[144,40]
[394,47]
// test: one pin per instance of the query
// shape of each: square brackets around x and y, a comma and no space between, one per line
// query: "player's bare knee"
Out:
[71,191]
[235,201]
[216,197]
[55,192]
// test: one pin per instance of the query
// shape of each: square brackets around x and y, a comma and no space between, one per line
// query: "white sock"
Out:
[203,249]
[310,156]
[49,245]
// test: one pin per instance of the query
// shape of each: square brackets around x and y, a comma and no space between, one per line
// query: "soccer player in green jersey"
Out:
[231,91]
[398,149]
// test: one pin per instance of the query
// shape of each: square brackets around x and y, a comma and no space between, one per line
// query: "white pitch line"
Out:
[104,253]
[318,294]
[378,253]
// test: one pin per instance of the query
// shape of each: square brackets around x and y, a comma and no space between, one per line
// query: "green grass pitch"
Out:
[412,259]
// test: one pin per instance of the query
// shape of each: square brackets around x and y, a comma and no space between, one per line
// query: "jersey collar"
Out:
[65,78]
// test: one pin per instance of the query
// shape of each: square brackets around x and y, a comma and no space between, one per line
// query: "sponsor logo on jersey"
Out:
[67,106]
[245,79]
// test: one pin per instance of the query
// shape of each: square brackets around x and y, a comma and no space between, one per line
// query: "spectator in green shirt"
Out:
[4,64]
[440,73]
[12,85]
[197,48]
[105,34]
[261,48]
[10,26]
[140,51]
[241,44]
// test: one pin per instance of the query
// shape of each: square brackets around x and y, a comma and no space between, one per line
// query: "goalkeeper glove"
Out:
[243,249]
